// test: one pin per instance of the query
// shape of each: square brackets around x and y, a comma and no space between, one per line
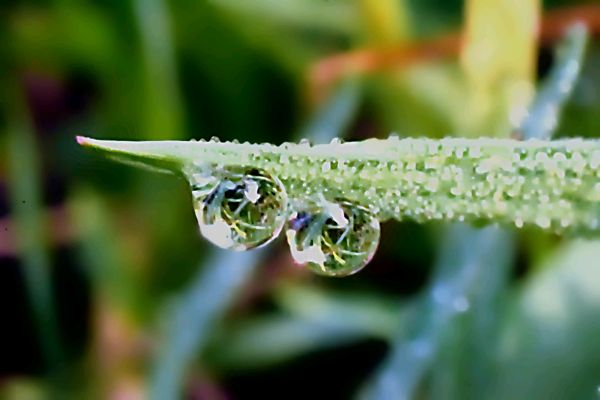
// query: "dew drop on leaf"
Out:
[333,239]
[238,208]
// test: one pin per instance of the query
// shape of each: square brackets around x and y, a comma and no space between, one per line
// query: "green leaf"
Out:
[552,184]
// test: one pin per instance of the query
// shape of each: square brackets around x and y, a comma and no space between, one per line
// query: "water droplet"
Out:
[238,208]
[333,239]
[394,138]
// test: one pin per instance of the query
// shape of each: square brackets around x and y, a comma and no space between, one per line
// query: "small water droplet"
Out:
[543,222]
[238,208]
[394,138]
[333,239]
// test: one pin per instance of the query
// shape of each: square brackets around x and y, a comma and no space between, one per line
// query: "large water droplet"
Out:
[238,208]
[333,239]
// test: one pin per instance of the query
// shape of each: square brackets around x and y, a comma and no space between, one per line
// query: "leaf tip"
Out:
[82,140]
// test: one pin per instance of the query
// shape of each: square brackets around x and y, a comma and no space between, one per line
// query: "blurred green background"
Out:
[107,289]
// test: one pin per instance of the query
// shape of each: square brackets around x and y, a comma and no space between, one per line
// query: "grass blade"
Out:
[27,210]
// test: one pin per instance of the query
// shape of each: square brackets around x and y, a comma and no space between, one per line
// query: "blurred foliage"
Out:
[108,289]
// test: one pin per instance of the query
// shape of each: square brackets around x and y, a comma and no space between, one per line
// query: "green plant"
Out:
[127,300]
[551,184]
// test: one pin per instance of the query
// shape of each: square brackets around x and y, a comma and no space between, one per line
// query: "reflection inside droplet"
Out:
[238,208]
[333,238]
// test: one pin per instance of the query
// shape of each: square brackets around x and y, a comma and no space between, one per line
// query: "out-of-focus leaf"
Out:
[580,116]
[109,272]
[543,114]
[386,21]
[467,256]
[333,118]
[336,16]
[264,341]
[419,101]
[192,315]
[498,58]
[311,320]
[19,389]
[164,108]
[377,315]
[27,210]
[466,353]
[550,347]
[77,35]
